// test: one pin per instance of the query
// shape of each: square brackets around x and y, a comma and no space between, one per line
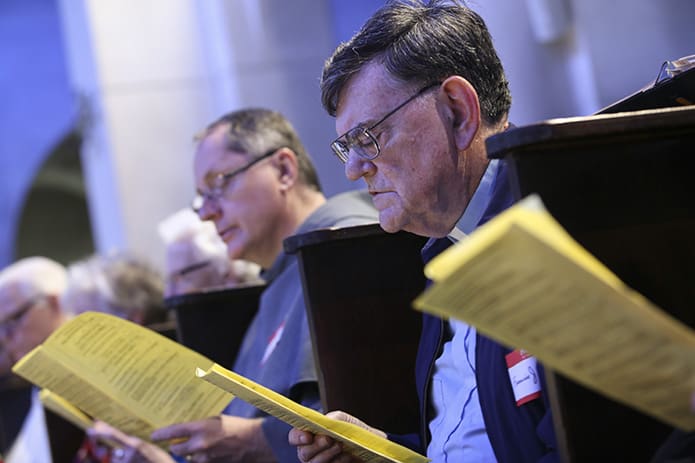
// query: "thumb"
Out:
[342,416]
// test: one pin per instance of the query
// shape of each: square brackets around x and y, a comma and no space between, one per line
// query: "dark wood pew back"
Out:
[213,323]
[358,284]
[622,186]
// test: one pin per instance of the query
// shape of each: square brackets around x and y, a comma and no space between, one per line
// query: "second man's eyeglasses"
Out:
[221,181]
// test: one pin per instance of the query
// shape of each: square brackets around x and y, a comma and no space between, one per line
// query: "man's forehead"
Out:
[367,96]
[212,157]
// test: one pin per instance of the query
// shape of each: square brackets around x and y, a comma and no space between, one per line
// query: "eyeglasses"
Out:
[221,182]
[362,141]
[10,324]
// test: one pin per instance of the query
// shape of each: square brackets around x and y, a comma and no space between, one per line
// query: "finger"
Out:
[342,416]
[298,437]
[339,415]
[346,458]
[185,448]
[327,455]
[171,432]
[323,449]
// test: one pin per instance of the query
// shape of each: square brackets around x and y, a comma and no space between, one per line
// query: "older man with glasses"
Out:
[30,310]
[415,93]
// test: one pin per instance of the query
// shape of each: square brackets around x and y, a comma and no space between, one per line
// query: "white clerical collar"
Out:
[478,204]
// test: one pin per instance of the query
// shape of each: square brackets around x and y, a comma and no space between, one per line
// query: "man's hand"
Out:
[128,449]
[323,449]
[224,437]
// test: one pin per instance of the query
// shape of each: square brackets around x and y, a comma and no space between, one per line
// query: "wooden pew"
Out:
[214,322]
[358,284]
[622,186]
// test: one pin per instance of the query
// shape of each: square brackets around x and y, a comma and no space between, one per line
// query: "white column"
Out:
[140,68]
[154,72]
[270,53]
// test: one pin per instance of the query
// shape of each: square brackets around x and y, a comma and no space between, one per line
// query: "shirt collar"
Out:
[478,204]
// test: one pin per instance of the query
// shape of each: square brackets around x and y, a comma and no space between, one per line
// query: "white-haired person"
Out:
[30,310]
[119,283]
[196,258]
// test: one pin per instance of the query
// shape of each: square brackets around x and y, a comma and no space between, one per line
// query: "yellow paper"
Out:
[521,279]
[123,374]
[357,441]
[63,408]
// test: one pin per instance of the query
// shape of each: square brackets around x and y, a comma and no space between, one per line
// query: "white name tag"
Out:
[523,374]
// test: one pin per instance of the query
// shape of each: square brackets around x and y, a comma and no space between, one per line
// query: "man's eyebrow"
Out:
[365,124]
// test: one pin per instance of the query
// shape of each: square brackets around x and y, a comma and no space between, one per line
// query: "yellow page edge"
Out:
[62,407]
[529,213]
[229,380]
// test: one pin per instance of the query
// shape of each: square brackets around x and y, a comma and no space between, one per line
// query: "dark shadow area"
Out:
[54,221]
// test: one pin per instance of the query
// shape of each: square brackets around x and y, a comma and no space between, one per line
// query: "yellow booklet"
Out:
[65,409]
[357,441]
[121,373]
[522,280]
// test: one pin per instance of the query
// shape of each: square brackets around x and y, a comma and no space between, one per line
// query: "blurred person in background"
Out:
[256,183]
[30,310]
[196,257]
[119,283]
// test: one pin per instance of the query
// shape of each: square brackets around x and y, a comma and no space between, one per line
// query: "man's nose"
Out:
[209,209]
[357,167]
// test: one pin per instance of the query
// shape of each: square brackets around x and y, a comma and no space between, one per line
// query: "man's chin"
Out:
[389,223]
[235,250]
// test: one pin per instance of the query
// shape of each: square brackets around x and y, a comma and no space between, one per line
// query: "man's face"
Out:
[26,319]
[416,181]
[249,213]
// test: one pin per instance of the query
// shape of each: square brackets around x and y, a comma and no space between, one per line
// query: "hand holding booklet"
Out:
[356,440]
[97,366]
[522,280]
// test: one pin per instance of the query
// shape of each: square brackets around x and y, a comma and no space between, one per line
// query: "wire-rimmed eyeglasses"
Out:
[221,181]
[361,140]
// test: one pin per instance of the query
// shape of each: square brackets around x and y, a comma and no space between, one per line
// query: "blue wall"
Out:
[36,104]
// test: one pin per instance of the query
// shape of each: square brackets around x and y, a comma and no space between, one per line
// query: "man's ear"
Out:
[285,161]
[464,108]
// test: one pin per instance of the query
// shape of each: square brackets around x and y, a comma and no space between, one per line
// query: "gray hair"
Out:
[36,274]
[256,131]
[117,283]
[423,42]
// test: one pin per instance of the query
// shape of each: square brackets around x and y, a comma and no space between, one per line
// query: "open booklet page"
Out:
[521,279]
[357,441]
[121,373]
